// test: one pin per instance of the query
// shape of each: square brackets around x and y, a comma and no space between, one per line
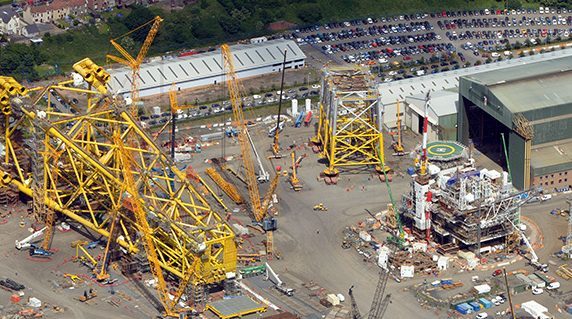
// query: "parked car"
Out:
[537,291]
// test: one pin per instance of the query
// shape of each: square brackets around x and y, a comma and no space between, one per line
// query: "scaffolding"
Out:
[350,124]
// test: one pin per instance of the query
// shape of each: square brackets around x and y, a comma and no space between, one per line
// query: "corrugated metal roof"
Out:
[552,157]
[234,306]
[442,103]
[399,90]
[532,86]
[205,65]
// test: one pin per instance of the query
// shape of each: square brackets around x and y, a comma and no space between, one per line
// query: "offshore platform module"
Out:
[463,206]
[92,163]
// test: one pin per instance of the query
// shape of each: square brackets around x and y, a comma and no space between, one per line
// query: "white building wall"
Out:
[164,87]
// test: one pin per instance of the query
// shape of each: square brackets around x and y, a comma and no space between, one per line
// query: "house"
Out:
[36,30]
[100,5]
[56,10]
[10,22]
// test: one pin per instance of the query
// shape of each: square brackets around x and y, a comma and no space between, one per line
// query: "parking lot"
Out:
[256,100]
[431,43]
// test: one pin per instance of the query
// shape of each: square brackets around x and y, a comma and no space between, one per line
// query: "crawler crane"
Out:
[259,208]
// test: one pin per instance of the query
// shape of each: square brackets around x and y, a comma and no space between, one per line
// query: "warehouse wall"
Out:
[516,145]
[548,181]
[554,130]
[164,87]
[448,127]
[479,117]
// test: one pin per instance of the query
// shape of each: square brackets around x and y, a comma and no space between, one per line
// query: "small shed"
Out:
[235,307]
[482,289]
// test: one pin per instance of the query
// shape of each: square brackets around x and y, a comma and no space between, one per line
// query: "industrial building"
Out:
[444,97]
[207,68]
[530,105]
[442,117]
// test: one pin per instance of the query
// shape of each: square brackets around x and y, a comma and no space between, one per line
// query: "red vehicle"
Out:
[406,58]
[497,272]
[188,53]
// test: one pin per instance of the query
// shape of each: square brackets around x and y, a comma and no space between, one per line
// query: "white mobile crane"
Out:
[263,175]
[27,242]
[534,257]
[272,276]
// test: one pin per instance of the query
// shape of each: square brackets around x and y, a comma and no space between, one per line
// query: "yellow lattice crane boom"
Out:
[175,108]
[135,63]
[50,177]
[137,205]
[238,116]
[192,242]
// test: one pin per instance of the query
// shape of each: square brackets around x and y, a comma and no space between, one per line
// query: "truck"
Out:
[36,251]
[279,284]
[553,285]
[536,310]
[534,262]
[11,285]
[285,290]
[27,242]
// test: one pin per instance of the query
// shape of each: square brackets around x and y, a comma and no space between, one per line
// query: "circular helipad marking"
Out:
[441,149]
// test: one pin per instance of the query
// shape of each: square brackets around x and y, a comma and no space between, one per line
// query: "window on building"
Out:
[560,181]
[540,177]
[551,182]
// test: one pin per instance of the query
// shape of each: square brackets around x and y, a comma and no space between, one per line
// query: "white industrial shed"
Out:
[208,68]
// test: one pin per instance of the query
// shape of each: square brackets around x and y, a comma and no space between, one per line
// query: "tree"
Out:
[136,18]
[229,24]
[18,60]
[514,4]
[127,43]
[310,13]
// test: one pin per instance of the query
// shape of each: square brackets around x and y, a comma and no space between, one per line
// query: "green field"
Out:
[5,2]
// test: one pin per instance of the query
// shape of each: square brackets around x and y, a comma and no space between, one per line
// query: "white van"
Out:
[553,285]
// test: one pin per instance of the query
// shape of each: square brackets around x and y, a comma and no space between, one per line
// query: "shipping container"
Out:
[308,119]
[475,305]
[537,282]
[464,308]
[486,303]
[543,277]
